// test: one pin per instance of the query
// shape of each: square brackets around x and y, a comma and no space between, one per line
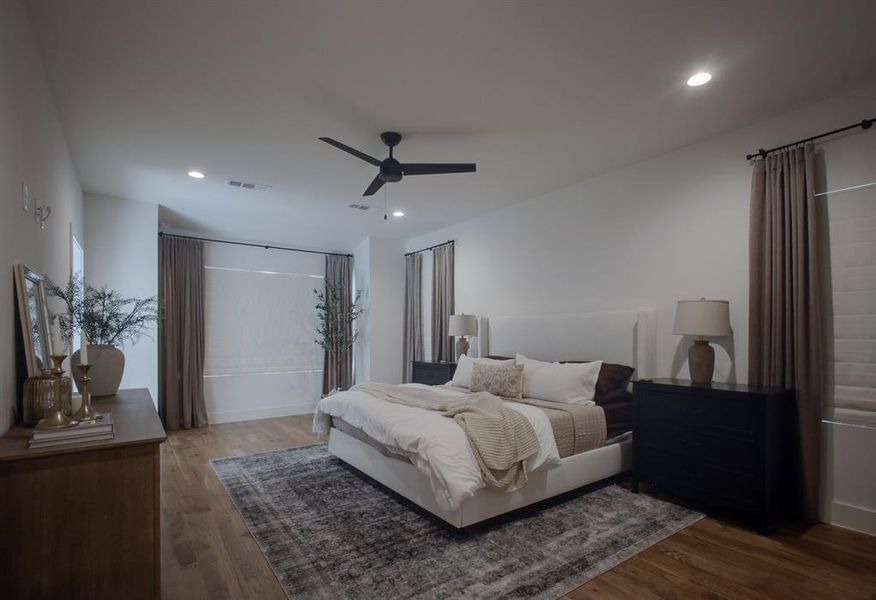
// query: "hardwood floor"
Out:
[207,551]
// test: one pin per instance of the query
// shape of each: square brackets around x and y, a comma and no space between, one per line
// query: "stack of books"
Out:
[87,431]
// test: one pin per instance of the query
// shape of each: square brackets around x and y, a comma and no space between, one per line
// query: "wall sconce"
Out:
[41,214]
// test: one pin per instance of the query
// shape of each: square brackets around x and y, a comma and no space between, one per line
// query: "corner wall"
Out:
[121,252]
[379,271]
[33,150]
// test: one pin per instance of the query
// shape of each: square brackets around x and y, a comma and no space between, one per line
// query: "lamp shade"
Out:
[463,325]
[702,317]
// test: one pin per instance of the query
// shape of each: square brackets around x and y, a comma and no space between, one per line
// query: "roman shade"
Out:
[852,231]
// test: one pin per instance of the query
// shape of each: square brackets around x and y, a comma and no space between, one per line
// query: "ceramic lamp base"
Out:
[461,347]
[701,362]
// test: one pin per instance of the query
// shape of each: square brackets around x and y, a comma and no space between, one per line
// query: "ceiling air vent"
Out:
[359,206]
[248,185]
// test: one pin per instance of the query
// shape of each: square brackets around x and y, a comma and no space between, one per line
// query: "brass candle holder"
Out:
[86,412]
[57,420]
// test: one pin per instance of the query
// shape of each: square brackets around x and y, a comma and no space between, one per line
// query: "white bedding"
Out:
[437,445]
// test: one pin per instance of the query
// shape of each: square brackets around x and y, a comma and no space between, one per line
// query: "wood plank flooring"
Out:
[207,551]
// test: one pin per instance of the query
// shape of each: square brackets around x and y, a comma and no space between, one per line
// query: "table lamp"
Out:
[702,318]
[461,326]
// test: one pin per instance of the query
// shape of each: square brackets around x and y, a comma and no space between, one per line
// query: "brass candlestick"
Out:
[57,420]
[86,412]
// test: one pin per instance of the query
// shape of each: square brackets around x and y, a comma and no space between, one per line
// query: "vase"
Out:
[107,367]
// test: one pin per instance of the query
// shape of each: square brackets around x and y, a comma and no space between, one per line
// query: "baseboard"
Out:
[267,412]
[849,516]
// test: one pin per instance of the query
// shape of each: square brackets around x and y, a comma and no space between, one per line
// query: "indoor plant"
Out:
[107,320]
[335,333]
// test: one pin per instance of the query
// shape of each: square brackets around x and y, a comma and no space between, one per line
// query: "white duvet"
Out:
[436,444]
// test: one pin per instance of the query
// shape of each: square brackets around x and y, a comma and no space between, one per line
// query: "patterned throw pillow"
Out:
[502,380]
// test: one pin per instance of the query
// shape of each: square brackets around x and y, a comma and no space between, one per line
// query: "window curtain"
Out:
[786,347]
[413,331]
[181,333]
[442,302]
[337,370]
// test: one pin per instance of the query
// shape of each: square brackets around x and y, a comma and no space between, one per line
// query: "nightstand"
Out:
[432,373]
[720,446]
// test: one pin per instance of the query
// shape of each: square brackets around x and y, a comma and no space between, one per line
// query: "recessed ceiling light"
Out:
[699,79]
[398,213]
[196,174]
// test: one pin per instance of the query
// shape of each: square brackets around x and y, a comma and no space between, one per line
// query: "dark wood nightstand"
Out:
[432,373]
[721,446]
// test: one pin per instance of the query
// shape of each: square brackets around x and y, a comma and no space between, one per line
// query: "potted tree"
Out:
[334,330]
[107,320]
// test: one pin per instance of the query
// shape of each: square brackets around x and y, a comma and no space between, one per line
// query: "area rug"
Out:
[330,532]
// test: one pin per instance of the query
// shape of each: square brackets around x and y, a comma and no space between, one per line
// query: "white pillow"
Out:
[464,366]
[570,383]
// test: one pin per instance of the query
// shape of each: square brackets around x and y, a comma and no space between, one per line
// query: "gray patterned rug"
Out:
[330,532]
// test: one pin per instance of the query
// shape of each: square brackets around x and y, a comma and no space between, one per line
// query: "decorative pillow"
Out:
[462,376]
[569,383]
[502,380]
[613,377]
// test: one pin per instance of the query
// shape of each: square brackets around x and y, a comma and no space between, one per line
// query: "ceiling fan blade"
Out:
[375,185]
[352,151]
[437,168]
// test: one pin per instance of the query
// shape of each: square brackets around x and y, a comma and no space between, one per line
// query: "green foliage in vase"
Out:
[102,315]
[335,329]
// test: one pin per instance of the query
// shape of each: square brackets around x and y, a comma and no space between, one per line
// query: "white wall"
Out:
[33,150]
[645,236]
[121,252]
[379,267]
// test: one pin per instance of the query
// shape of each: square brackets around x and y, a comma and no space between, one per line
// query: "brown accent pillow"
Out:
[613,377]
[501,380]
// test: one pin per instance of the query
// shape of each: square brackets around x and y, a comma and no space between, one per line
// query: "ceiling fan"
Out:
[392,170]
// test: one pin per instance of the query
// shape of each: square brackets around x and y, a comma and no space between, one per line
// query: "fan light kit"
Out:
[398,213]
[196,175]
[699,79]
[391,170]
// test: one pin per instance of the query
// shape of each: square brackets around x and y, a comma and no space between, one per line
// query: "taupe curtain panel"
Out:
[785,345]
[337,372]
[442,302]
[413,342]
[181,333]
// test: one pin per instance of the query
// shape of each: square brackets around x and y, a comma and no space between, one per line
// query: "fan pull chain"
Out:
[384,201]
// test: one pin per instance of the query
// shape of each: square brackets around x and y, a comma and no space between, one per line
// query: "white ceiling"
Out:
[540,94]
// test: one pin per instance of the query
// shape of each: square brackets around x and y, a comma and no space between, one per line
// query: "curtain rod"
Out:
[865,124]
[265,246]
[429,248]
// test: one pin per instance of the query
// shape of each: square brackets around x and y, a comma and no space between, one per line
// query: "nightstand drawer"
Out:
[709,444]
[432,373]
[736,414]
[697,480]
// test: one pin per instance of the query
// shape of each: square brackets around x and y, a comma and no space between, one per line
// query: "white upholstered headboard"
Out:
[625,337]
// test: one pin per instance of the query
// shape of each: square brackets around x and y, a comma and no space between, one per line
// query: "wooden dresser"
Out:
[82,521]
[721,446]
[432,373]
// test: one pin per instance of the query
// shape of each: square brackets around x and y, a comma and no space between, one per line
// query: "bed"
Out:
[625,337]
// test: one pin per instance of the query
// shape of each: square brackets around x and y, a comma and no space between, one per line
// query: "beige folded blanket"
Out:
[500,438]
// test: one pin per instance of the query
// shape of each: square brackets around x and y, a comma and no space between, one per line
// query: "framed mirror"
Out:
[34,318]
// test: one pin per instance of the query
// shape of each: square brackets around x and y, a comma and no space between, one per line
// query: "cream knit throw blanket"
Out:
[500,437]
